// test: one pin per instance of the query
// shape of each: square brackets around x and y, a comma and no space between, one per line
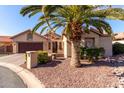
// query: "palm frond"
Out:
[54,17]
[34,13]
[101,25]
[43,29]
[28,9]
[38,26]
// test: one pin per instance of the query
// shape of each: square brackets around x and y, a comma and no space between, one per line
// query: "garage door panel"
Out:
[23,47]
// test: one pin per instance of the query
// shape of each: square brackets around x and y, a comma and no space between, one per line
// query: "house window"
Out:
[49,45]
[89,42]
[29,36]
[60,45]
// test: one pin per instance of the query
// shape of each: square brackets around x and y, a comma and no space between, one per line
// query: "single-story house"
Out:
[54,43]
[26,41]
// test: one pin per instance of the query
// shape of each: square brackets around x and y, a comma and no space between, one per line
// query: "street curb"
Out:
[28,78]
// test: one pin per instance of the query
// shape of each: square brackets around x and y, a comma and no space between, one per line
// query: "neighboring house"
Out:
[5,44]
[119,37]
[54,43]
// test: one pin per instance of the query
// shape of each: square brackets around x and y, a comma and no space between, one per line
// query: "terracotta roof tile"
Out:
[5,39]
[51,35]
[119,36]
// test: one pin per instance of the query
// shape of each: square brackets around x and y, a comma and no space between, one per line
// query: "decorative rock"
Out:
[122,79]
[120,86]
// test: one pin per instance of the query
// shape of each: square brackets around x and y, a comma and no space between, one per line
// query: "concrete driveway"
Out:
[17,59]
[9,79]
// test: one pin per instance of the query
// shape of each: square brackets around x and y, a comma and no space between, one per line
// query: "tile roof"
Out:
[119,36]
[52,35]
[5,39]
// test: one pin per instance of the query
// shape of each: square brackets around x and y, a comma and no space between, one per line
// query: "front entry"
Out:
[54,47]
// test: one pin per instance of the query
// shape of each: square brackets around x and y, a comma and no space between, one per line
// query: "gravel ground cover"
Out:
[58,74]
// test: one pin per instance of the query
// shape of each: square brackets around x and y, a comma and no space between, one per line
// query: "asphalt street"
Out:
[9,79]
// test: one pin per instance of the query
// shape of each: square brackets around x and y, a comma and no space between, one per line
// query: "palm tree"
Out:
[75,19]
[45,11]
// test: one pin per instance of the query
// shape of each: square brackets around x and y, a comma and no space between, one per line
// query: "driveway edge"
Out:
[28,78]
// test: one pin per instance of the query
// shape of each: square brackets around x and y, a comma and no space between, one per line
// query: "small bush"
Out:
[25,57]
[118,48]
[82,52]
[42,57]
[92,54]
[102,51]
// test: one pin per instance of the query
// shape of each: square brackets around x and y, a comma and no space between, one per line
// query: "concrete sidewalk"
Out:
[17,59]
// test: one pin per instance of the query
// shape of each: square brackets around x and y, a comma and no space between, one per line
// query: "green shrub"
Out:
[82,52]
[25,57]
[102,51]
[42,57]
[118,48]
[92,54]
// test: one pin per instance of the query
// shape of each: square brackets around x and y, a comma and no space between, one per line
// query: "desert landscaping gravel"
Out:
[59,74]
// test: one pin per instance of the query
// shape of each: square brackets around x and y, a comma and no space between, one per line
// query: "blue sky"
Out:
[11,22]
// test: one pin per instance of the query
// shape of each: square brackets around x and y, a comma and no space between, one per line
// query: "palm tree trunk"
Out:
[75,54]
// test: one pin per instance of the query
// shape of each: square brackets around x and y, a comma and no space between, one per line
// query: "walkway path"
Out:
[9,79]
[17,59]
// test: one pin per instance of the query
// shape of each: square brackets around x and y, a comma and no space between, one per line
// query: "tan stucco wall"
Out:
[67,47]
[31,59]
[15,47]
[106,43]
[23,38]
[92,35]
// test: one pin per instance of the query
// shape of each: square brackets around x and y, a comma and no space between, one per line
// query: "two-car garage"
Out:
[26,41]
[29,46]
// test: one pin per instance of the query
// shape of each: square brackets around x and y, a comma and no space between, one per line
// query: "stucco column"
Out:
[65,47]
[31,59]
